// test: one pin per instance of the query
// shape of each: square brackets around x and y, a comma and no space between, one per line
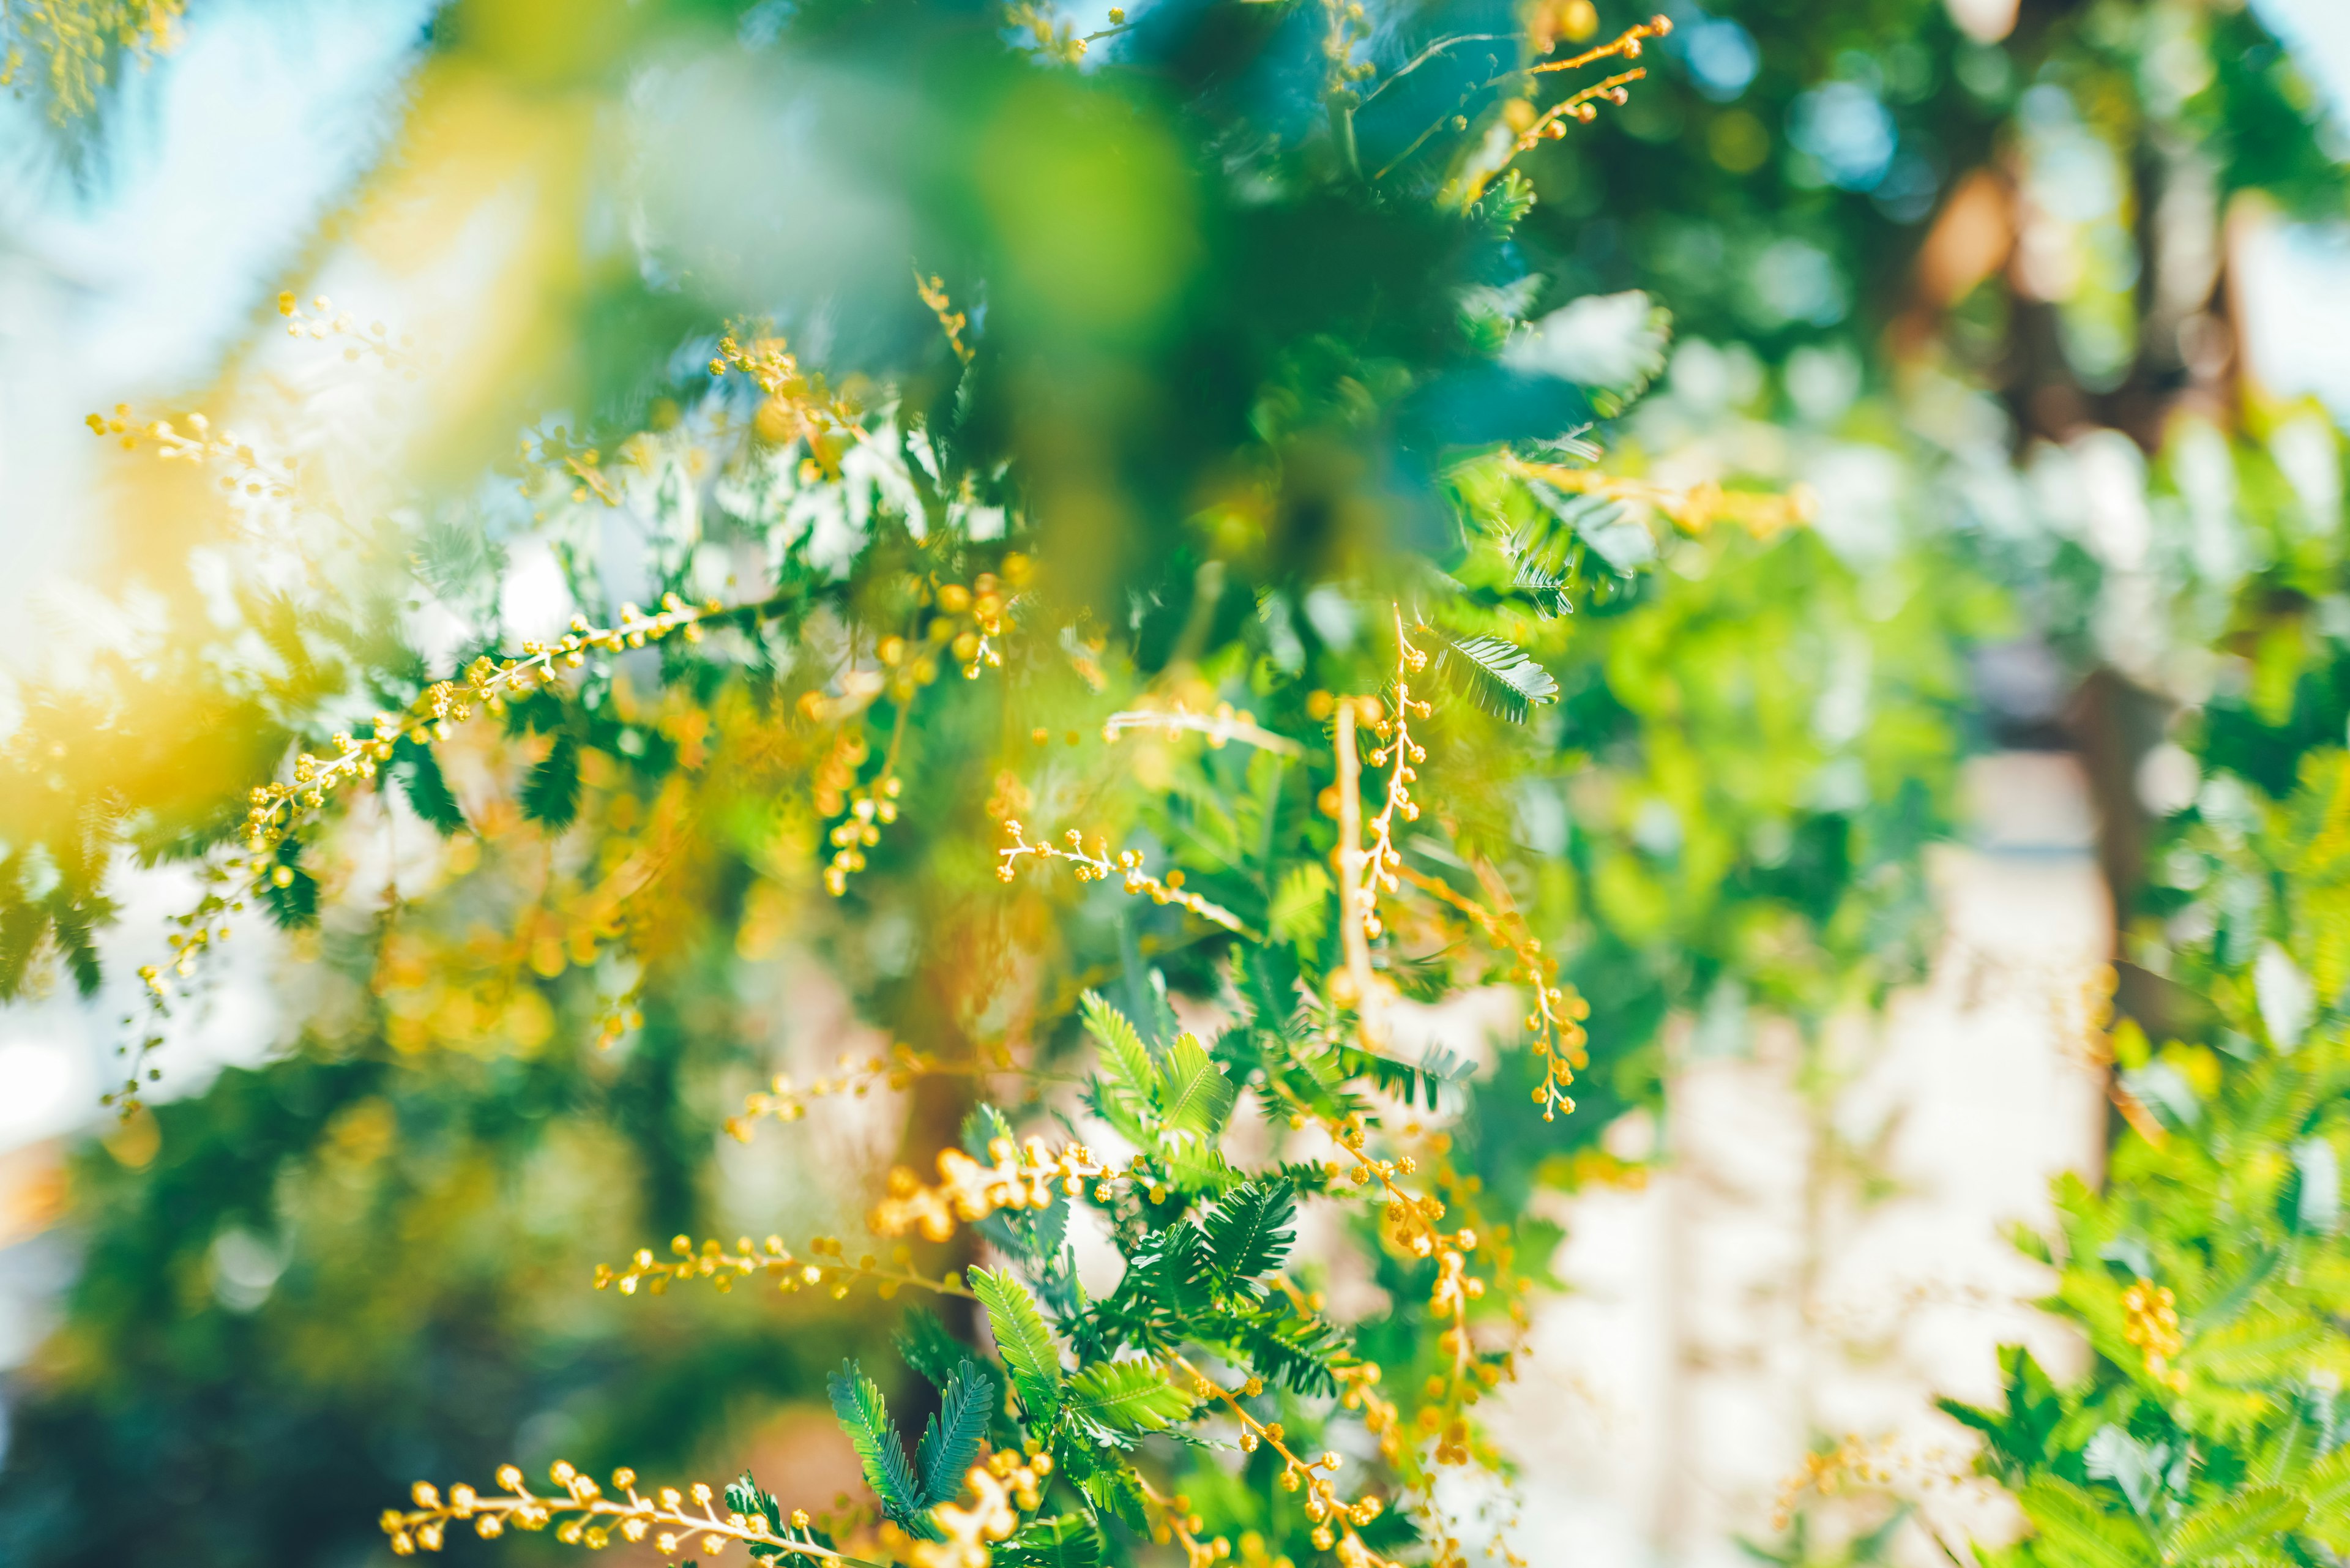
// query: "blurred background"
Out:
[2049,304]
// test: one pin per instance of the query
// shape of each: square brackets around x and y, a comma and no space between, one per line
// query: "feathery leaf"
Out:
[550,796]
[2078,1530]
[857,1401]
[1497,675]
[1248,1234]
[1066,1542]
[2217,1529]
[1129,1080]
[1196,1097]
[1127,1397]
[1027,1346]
[950,1440]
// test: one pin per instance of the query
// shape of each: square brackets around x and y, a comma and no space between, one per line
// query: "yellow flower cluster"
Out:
[1003,1489]
[250,475]
[1556,1021]
[1177,1523]
[968,623]
[1583,107]
[1763,514]
[1884,1463]
[1053,37]
[200,929]
[1409,1222]
[787,1103]
[826,1267]
[1334,1520]
[1381,861]
[799,404]
[79,39]
[1097,867]
[2150,1323]
[1358,1383]
[869,809]
[583,1515]
[401,354]
[951,322]
[487,684]
[970,620]
[1022,1177]
[277,809]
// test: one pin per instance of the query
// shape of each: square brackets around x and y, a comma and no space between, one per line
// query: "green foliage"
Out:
[1024,1341]
[1244,385]
[857,1402]
[427,789]
[1063,1540]
[1248,1233]
[2223,1194]
[550,796]
[950,1440]
[1127,1396]
[1496,675]
[1194,1096]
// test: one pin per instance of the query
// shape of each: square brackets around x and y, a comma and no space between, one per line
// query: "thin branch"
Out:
[1431,52]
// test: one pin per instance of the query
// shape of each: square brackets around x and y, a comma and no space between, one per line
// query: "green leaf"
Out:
[2018,1434]
[1066,1542]
[1300,912]
[744,1497]
[984,1126]
[550,796]
[1600,525]
[1196,1097]
[2327,1484]
[2263,1513]
[1551,589]
[2255,1348]
[1413,1082]
[1111,1487]
[1508,200]
[295,904]
[421,781]
[1497,675]
[1127,1397]
[950,1441]
[1027,1346]
[2079,1533]
[1249,1232]
[924,1344]
[1128,1075]
[857,1401]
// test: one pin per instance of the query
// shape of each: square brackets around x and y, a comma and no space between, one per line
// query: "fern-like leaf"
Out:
[1196,1097]
[950,1440]
[2220,1529]
[1027,1346]
[2075,1530]
[1127,1397]
[1600,525]
[550,795]
[2327,1485]
[1066,1542]
[1497,675]
[1300,911]
[1249,1233]
[1510,199]
[1551,591]
[421,781]
[857,1402]
[1129,1083]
